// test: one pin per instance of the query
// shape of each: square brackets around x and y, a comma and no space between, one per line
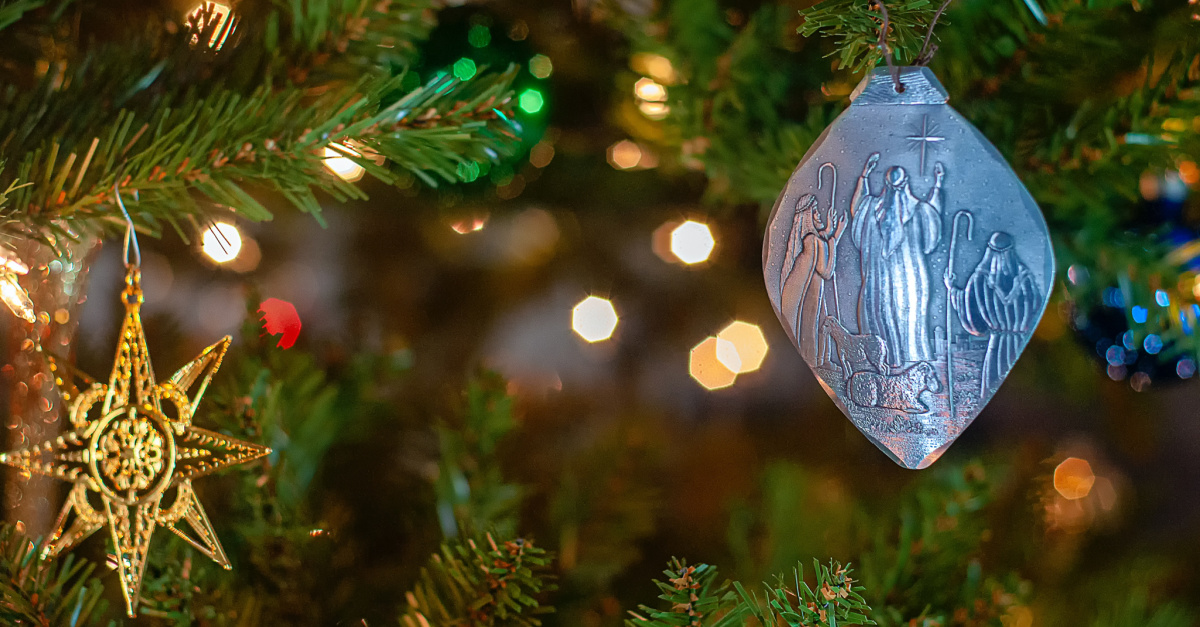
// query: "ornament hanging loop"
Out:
[928,49]
[132,294]
[887,52]
[130,231]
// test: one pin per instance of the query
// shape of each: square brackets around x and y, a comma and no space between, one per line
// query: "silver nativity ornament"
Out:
[912,288]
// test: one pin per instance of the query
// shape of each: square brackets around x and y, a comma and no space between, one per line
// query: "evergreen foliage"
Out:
[470,584]
[137,99]
[694,599]
[834,600]
[854,27]
[38,592]
[927,563]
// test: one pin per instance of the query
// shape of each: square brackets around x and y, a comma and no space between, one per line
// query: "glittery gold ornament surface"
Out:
[132,453]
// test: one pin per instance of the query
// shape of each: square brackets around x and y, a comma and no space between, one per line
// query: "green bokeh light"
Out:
[531,101]
[479,36]
[464,69]
[468,171]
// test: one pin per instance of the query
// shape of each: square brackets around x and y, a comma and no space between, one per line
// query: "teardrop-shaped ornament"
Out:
[908,264]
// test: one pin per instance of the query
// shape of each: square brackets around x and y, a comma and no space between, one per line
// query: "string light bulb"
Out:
[222,15]
[344,167]
[11,292]
[221,242]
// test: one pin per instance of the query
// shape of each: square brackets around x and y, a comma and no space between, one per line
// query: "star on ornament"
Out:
[132,454]
[924,139]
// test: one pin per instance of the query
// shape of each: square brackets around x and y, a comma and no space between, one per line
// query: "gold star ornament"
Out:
[132,453]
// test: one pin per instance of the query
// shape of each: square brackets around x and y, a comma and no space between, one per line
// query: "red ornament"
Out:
[279,316]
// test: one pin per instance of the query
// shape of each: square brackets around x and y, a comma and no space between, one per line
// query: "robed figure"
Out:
[1002,301]
[894,230]
[808,264]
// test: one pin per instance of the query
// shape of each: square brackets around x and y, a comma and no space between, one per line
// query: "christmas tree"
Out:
[513,356]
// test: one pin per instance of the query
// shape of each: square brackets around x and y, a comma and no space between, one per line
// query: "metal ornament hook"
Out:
[130,232]
[887,52]
[928,49]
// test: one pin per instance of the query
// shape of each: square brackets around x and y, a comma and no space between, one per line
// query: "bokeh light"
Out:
[541,154]
[648,89]
[221,242]
[692,242]
[464,69]
[344,167]
[531,101]
[540,66]
[594,319]
[706,367]
[1073,478]
[624,155]
[741,346]
[1018,616]
[660,241]
[654,110]
[479,36]
[1189,172]
[656,66]
[469,225]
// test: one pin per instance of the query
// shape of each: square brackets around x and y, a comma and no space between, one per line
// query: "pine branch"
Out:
[40,592]
[693,598]
[174,122]
[854,27]
[834,600]
[484,584]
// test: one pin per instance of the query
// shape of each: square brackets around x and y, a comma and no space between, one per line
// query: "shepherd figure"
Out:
[1001,300]
[810,261]
[893,231]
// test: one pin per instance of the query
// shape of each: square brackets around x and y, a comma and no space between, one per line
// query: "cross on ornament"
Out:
[924,139]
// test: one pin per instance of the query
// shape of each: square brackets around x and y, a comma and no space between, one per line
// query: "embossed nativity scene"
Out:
[908,264]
